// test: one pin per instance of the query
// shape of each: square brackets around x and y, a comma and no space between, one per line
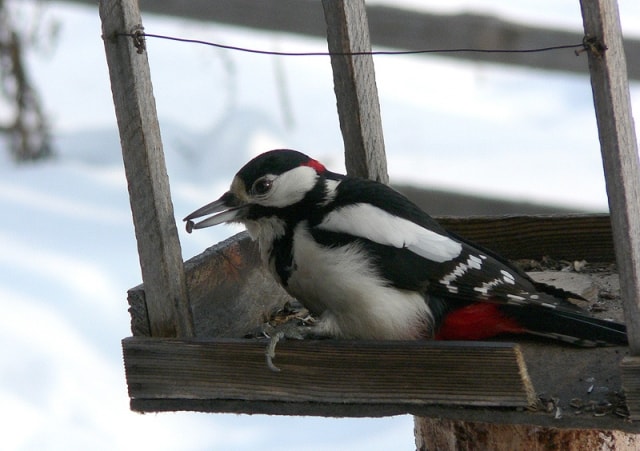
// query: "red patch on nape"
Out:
[477,321]
[315,164]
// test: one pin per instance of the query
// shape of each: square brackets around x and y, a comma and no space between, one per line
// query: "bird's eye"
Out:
[261,186]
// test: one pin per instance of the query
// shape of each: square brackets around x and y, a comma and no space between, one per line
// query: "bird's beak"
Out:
[230,206]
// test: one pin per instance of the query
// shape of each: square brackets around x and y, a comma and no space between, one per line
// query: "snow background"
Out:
[67,248]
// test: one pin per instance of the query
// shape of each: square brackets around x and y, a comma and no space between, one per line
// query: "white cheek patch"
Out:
[375,224]
[289,187]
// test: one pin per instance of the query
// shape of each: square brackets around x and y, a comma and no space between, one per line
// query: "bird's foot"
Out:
[292,321]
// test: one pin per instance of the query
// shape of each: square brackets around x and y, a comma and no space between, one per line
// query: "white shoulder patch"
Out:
[331,187]
[375,224]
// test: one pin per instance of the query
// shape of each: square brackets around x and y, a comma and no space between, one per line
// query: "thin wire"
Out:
[138,35]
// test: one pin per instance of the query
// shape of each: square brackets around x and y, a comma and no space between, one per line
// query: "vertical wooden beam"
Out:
[155,227]
[619,149]
[355,87]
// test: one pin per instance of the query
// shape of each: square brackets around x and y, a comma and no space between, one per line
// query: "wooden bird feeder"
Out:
[188,319]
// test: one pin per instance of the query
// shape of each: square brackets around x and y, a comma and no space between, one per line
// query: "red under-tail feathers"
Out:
[483,320]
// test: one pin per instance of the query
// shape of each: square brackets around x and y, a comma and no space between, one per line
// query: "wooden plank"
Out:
[158,245]
[220,283]
[329,371]
[402,29]
[230,292]
[561,375]
[619,150]
[355,87]
[561,237]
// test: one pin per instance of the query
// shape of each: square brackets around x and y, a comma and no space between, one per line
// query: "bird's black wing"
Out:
[413,251]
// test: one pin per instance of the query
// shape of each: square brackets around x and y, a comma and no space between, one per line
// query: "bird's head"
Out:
[271,182]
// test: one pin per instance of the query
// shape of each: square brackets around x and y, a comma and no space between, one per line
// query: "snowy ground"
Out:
[67,250]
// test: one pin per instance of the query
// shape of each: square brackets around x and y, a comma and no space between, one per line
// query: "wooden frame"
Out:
[168,306]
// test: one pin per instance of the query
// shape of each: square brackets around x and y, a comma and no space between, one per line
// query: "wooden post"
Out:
[355,88]
[619,149]
[445,434]
[621,168]
[158,245]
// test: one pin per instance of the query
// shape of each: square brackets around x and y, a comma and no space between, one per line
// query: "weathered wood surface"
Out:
[354,83]
[230,292]
[619,148]
[563,237]
[364,378]
[329,371]
[158,245]
[401,29]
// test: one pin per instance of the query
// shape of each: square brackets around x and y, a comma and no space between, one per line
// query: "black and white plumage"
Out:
[370,264]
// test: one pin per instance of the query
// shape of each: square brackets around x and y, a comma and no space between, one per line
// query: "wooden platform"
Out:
[574,388]
[335,373]
[231,294]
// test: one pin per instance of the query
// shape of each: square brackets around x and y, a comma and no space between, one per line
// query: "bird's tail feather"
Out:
[573,327]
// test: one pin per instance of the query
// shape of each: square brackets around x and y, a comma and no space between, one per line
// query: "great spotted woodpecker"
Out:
[370,264]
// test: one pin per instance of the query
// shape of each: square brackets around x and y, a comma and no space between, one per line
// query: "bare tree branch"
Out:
[28,131]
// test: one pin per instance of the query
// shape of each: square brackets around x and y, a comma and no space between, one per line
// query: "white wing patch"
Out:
[473,262]
[375,224]
[507,278]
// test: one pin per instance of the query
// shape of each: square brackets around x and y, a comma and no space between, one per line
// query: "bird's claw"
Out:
[287,330]
[270,352]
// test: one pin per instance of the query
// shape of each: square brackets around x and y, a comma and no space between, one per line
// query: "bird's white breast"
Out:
[340,284]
